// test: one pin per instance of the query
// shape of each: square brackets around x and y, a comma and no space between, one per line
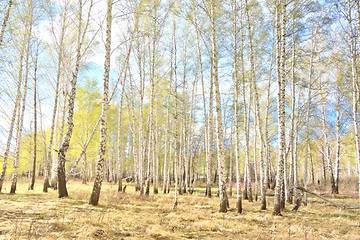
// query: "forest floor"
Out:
[38,215]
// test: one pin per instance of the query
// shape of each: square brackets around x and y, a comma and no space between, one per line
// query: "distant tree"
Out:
[31,187]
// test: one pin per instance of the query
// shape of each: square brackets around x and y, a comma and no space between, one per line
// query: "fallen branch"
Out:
[328,200]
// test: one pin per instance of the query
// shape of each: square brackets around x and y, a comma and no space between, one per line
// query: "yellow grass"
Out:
[37,215]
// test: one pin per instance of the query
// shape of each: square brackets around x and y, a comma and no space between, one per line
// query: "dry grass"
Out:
[37,215]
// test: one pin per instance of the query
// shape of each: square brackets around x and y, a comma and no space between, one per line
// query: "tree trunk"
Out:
[140,122]
[326,141]
[206,119]
[135,143]
[176,121]
[219,125]
[62,190]
[255,167]
[16,107]
[20,121]
[58,75]
[246,109]
[355,94]
[166,142]
[210,139]
[156,156]
[54,168]
[307,133]
[185,132]
[338,140]
[236,109]
[35,124]
[84,173]
[6,18]
[281,12]
[292,117]
[119,150]
[94,198]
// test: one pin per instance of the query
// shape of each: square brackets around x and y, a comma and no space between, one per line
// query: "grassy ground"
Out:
[37,215]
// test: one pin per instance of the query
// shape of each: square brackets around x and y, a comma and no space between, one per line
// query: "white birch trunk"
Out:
[219,125]
[94,198]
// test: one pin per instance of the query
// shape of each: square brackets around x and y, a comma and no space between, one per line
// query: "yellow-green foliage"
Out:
[36,215]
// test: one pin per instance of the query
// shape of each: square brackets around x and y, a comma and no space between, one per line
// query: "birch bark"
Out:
[94,198]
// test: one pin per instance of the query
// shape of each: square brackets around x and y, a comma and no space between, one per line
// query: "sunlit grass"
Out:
[37,215]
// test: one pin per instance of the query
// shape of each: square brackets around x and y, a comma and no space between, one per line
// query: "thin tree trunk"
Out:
[141,129]
[185,135]
[167,160]
[84,174]
[326,141]
[206,119]
[338,140]
[257,112]
[246,109]
[296,171]
[156,156]
[307,131]
[281,12]
[169,164]
[236,110]
[119,150]
[135,144]
[58,75]
[94,198]
[311,167]
[191,119]
[26,42]
[219,125]
[14,114]
[54,169]
[323,164]
[231,150]
[151,144]
[255,167]
[356,92]
[35,124]
[210,139]
[6,18]
[292,117]
[62,190]
[176,121]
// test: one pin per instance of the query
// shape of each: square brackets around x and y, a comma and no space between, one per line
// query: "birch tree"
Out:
[281,19]
[94,198]
[355,84]
[26,51]
[219,124]
[31,187]
[82,29]
[58,76]
[236,110]
[6,18]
